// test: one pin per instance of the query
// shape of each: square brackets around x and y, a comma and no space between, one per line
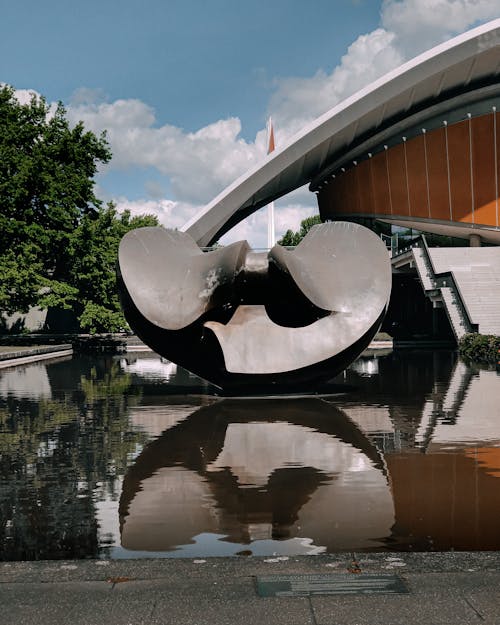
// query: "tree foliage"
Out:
[94,252]
[291,238]
[58,243]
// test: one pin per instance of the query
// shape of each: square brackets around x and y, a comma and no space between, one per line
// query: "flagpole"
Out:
[271,235]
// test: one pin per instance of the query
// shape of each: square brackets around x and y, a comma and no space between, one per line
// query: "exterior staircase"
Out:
[464,281]
[476,274]
[442,287]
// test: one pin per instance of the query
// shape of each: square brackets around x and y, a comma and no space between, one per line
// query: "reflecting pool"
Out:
[130,456]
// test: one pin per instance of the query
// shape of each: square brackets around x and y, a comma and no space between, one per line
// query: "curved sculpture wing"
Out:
[340,267]
[171,281]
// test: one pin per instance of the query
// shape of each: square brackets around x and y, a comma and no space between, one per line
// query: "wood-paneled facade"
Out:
[448,174]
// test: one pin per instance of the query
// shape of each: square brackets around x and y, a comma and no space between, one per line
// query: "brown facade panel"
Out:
[438,174]
[335,195]
[483,167]
[339,197]
[380,186]
[397,180]
[497,179]
[417,183]
[365,190]
[330,198]
[357,189]
[351,192]
[460,171]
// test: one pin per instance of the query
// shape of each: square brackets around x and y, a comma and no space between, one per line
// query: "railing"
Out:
[446,280]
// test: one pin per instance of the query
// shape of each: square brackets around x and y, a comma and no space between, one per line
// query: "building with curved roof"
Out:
[419,147]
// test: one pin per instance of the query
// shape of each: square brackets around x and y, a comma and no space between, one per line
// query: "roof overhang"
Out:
[461,65]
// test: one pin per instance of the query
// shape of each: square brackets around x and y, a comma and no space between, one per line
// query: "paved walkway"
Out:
[452,589]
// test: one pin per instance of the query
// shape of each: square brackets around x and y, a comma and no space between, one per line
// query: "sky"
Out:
[184,88]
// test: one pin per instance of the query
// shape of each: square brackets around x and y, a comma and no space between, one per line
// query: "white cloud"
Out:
[408,27]
[421,24]
[198,165]
[298,101]
[24,96]
[170,213]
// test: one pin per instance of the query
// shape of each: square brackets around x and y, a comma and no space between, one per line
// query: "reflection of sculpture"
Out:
[418,472]
[257,321]
[253,470]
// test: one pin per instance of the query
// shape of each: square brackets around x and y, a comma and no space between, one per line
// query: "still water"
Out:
[128,456]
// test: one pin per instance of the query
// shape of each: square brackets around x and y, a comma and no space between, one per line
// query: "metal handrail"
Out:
[446,279]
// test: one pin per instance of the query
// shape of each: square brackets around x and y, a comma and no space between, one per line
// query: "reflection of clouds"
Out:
[106,517]
[156,419]
[252,451]
[153,367]
[172,506]
[365,366]
[370,419]
[29,382]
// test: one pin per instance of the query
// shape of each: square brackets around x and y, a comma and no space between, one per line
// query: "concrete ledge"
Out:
[11,357]
[47,571]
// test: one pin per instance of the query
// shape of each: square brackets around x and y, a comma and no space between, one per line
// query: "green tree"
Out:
[46,186]
[291,238]
[94,252]
[58,243]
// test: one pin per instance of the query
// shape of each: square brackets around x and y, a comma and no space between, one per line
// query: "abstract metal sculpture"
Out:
[248,322]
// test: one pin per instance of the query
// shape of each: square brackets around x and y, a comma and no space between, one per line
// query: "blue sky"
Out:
[184,88]
[193,61]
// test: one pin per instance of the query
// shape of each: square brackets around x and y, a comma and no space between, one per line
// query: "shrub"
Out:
[480,347]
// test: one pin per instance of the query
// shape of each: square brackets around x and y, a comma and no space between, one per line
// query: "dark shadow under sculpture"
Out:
[277,322]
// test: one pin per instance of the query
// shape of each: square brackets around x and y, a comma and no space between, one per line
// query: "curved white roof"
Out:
[456,66]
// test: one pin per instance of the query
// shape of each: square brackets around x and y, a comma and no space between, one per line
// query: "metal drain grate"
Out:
[335,584]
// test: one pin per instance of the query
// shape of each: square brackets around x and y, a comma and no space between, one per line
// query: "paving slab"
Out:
[439,598]
[225,601]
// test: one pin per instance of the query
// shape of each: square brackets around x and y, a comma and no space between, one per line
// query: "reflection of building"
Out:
[444,464]
[416,472]
[457,491]
[149,369]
